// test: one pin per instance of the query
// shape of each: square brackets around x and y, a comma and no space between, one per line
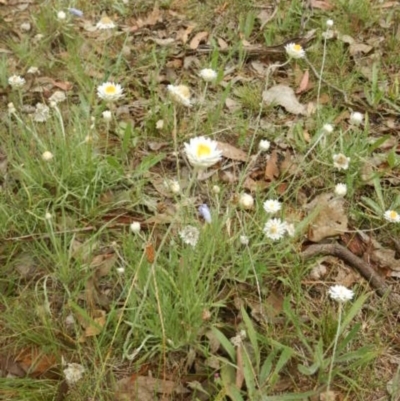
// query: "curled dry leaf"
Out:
[285,97]
[303,86]
[271,168]
[328,217]
[198,38]
[231,152]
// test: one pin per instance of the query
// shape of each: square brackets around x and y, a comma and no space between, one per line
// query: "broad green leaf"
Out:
[308,370]
[286,354]
[234,393]
[355,308]
[226,344]
[289,313]
[378,143]
[353,332]
[372,204]
[252,335]
[392,158]
[378,189]
[266,368]
[249,373]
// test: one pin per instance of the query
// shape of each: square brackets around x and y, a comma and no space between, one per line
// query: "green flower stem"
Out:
[334,347]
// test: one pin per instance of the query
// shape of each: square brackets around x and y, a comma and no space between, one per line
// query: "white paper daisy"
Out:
[109,91]
[340,161]
[341,189]
[272,206]
[180,94]
[294,50]
[246,201]
[208,74]
[16,81]
[356,118]
[202,152]
[392,216]
[105,23]
[190,235]
[340,293]
[275,229]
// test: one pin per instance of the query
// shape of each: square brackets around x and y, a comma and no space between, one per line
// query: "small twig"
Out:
[377,282]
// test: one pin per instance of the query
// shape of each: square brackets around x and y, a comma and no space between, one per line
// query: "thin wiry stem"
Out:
[321,72]
[334,348]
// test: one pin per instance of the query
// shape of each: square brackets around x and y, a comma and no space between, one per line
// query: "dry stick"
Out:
[362,267]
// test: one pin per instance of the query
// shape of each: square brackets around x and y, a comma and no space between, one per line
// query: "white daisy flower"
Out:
[294,50]
[190,235]
[264,145]
[290,229]
[327,128]
[340,161]
[16,81]
[61,15]
[11,108]
[340,189]
[329,23]
[109,91]
[246,201]
[135,227]
[33,70]
[42,113]
[58,97]
[392,216]
[216,189]
[180,94]
[202,152]
[173,186]
[208,74]
[356,118]
[275,229]
[340,293]
[272,206]
[107,115]
[73,373]
[244,240]
[46,156]
[105,23]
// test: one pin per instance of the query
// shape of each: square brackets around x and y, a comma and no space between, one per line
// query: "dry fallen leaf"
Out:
[329,217]
[231,152]
[303,86]
[145,388]
[150,252]
[321,4]
[271,168]
[35,362]
[198,38]
[285,97]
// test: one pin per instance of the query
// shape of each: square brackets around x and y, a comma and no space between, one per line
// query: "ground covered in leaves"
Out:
[129,274]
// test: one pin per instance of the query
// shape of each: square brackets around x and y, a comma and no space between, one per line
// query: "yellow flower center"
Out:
[297,48]
[274,229]
[110,89]
[203,150]
[393,214]
[106,20]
